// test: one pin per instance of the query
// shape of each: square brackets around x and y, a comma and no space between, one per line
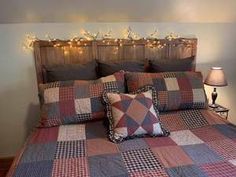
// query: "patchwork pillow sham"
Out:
[68,102]
[175,90]
[133,115]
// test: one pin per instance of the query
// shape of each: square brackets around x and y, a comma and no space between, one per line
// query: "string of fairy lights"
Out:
[130,37]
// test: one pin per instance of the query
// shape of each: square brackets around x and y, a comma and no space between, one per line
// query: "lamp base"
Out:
[213,105]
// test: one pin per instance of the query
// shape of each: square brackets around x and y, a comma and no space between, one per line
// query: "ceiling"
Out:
[56,11]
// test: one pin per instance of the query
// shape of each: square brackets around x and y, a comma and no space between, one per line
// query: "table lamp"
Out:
[215,78]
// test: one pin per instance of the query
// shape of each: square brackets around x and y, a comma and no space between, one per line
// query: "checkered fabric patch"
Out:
[73,167]
[70,149]
[140,160]
[175,90]
[193,119]
[68,102]
[149,173]
[219,169]
[226,148]
[172,121]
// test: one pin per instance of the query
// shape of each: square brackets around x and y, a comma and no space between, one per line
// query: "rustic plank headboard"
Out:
[49,53]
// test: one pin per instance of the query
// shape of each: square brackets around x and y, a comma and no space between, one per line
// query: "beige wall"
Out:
[19,110]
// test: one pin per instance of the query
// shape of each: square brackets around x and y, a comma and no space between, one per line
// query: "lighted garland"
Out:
[152,40]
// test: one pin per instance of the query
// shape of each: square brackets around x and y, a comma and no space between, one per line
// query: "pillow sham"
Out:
[175,90]
[173,65]
[133,115]
[65,72]
[68,102]
[106,68]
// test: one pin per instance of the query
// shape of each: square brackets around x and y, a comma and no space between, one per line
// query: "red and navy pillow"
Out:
[67,102]
[133,115]
[175,90]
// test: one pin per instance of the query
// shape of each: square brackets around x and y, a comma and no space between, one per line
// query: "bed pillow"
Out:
[132,115]
[166,65]
[68,102]
[106,68]
[71,72]
[175,90]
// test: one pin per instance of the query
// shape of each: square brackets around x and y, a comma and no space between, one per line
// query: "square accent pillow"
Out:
[175,90]
[133,115]
[68,102]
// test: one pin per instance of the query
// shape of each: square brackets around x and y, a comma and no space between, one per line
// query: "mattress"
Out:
[201,143]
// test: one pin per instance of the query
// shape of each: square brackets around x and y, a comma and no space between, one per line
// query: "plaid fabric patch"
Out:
[226,148]
[172,121]
[193,118]
[175,90]
[68,102]
[70,149]
[219,169]
[149,173]
[73,167]
[208,134]
[140,160]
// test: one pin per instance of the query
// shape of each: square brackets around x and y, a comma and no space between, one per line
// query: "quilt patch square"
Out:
[220,169]
[101,146]
[73,167]
[227,129]
[51,95]
[185,137]
[173,122]
[98,130]
[160,141]
[208,133]
[132,145]
[83,106]
[71,132]
[45,135]
[107,165]
[82,91]
[70,149]
[45,152]
[96,90]
[198,95]
[140,160]
[226,148]
[187,171]
[171,84]
[201,154]
[53,110]
[149,173]
[66,93]
[172,156]
[193,119]
[67,108]
[40,169]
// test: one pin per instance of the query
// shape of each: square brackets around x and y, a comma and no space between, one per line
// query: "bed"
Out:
[201,143]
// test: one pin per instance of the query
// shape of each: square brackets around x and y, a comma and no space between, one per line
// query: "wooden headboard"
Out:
[49,53]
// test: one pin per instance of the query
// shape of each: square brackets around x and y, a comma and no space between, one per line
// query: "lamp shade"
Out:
[216,77]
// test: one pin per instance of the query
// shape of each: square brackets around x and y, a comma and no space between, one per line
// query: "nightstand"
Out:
[221,110]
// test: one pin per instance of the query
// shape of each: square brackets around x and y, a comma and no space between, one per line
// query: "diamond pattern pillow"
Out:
[133,115]
[67,102]
[175,90]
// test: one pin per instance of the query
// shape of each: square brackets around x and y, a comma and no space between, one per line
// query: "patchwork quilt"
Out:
[200,144]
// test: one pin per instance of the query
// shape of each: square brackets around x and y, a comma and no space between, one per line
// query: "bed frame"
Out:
[50,53]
